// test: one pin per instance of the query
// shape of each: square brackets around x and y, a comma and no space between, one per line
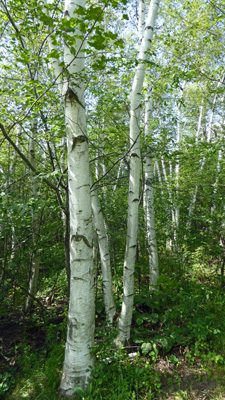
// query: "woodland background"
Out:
[176,348]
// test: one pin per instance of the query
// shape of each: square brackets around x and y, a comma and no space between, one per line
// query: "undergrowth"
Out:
[181,323]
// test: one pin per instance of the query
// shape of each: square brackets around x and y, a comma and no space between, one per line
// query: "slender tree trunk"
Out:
[199,123]
[134,178]
[148,199]
[11,173]
[176,215]
[35,257]
[203,161]
[99,224]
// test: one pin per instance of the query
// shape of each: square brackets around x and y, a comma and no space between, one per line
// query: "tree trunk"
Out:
[148,199]
[203,161]
[134,178]
[35,256]
[81,314]
[176,214]
[110,308]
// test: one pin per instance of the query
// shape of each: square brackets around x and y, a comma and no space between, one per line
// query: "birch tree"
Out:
[176,214]
[81,318]
[134,177]
[104,254]
[148,199]
[35,257]
[209,134]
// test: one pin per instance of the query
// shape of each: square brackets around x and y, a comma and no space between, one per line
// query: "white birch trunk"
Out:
[167,208]
[158,172]
[99,224]
[114,187]
[134,178]
[11,172]
[194,196]
[202,162]
[35,257]
[219,159]
[81,314]
[176,215]
[199,123]
[148,200]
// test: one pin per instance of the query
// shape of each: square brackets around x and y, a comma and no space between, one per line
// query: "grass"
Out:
[177,338]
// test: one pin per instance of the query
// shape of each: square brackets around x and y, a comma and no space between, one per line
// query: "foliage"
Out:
[183,317]
[186,313]
[182,313]
[40,370]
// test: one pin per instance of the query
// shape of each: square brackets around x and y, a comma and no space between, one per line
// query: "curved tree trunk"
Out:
[134,178]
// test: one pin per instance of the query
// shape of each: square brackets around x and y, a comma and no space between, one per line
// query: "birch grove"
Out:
[111,151]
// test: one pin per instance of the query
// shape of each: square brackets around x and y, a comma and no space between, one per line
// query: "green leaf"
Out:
[146,348]
[79,391]
[139,321]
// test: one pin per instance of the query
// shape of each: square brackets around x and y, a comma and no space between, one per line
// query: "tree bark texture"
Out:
[148,199]
[134,178]
[99,225]
[81,314]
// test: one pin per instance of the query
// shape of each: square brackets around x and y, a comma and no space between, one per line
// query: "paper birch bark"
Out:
[148,200]
[103,245]
[81,316]
[134,177]
[176,212]
[35,256]
[194,196]
[11,173]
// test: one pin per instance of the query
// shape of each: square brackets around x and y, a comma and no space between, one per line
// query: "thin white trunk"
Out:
[164,169]
[168,210]
[65,214]
[141,20]
[218,170]
[114,187]
[218,167]
[199,123]
[176,215]
[99,224]
[11,172]
[35,256]
[148,200]
[194,196]
[150,223]
[134,178]
[158,172]
[81,314]
[203,161]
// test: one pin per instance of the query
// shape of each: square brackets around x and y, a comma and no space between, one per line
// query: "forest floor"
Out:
[183,325]
[190,382]
[183,380]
